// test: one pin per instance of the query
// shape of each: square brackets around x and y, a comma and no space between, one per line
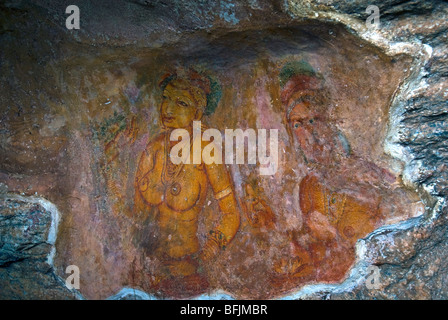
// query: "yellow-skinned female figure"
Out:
[174,194]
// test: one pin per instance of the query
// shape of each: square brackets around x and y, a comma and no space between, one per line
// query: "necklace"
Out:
[170,170]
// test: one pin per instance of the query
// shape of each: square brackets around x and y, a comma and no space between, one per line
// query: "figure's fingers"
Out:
[243,204]
[132,128]
[250,193]
[208,252]
[130,132]
[134,135]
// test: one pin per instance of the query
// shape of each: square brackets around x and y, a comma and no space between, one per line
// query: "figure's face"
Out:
[178,108]
[311,130]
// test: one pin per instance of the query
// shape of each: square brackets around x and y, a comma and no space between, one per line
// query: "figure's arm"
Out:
[315,223]
[122,137]
[398,204]
[229,223]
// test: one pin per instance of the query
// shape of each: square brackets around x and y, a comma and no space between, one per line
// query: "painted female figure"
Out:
[174,194]
[344,197]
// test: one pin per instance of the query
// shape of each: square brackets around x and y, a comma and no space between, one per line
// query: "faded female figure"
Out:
[343,197]
[174,194]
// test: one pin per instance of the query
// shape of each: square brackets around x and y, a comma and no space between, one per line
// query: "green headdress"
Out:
[294,68]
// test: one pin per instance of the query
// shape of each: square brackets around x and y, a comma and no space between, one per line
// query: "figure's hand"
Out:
[210,250]
[258,212]
[131,131]
[320,227]
[127,136]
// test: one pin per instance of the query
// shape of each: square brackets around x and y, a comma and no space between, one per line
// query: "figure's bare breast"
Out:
[180,188]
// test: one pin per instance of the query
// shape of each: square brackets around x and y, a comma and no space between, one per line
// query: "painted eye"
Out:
[296,125]
[311,120]
[182,103]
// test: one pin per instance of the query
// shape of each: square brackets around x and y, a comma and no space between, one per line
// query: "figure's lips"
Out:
[167,119]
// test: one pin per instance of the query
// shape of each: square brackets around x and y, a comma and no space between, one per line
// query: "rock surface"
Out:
[45,135]
[27,250]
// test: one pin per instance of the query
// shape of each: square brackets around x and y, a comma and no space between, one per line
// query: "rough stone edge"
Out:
[129,292]
[52,233]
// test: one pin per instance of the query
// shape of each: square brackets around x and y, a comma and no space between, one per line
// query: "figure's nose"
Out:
[168,107]
[304,136]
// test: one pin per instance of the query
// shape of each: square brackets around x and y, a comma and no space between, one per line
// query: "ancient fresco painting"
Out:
[180,230]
